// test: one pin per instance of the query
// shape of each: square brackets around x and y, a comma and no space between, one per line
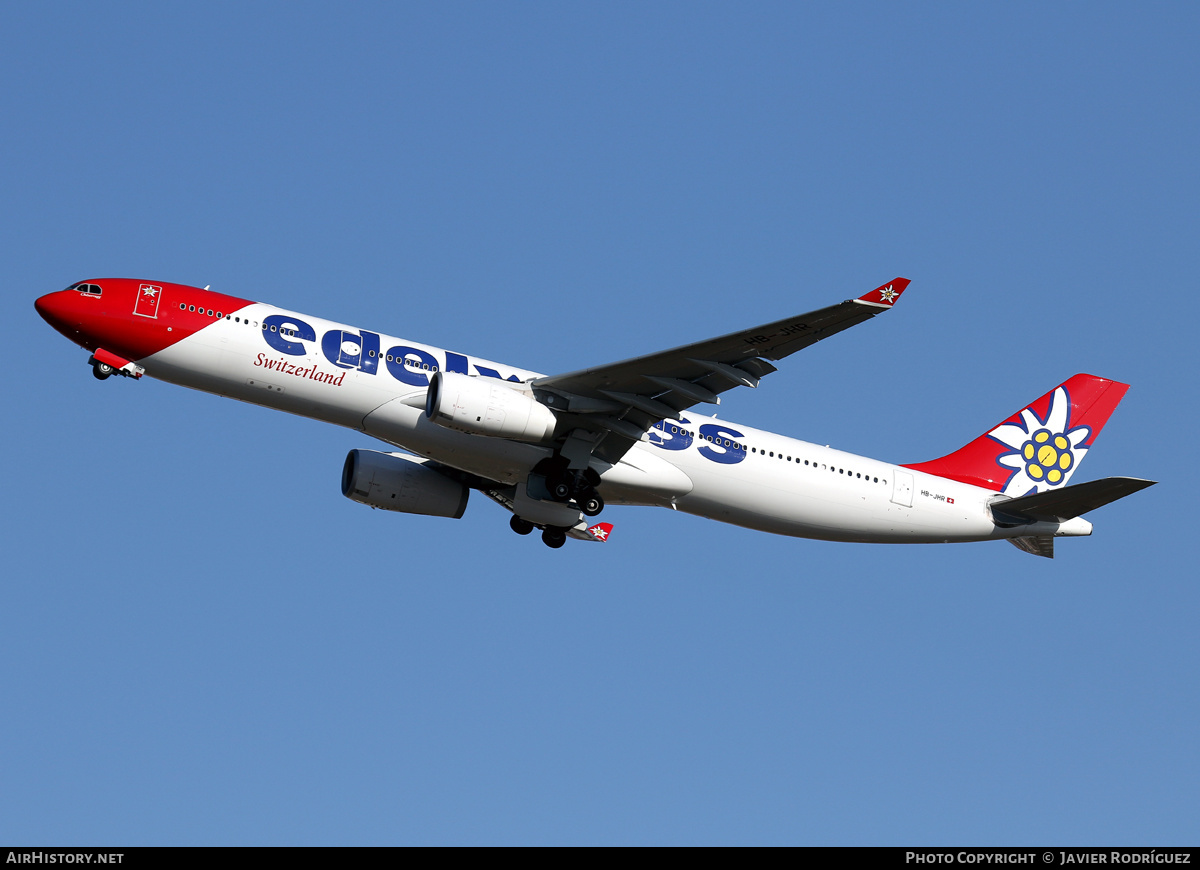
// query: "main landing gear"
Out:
[552,536]
[553,479]
[102,371]
[566,485]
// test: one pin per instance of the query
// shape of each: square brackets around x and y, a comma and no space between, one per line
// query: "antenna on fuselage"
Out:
[206,286]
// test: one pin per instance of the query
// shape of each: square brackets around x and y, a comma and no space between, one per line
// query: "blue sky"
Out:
[203,642]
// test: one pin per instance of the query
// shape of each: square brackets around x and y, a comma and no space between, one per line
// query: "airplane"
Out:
[554,450]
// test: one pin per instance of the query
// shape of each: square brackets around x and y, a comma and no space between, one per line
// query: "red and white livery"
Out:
[554,450]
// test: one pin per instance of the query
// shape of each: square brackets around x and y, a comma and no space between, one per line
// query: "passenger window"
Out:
[191,308]
[182,306]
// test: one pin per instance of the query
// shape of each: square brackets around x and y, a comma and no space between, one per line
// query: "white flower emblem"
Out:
[888,294]
[1044,453]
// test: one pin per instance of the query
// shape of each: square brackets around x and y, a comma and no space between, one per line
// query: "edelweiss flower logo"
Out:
[1044,452]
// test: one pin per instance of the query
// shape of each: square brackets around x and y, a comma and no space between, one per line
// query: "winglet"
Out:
[886,295]
[601,531]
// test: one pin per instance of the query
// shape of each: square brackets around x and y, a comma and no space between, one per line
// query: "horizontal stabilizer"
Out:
[1059,505]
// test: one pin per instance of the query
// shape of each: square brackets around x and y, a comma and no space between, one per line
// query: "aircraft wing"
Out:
[614,404]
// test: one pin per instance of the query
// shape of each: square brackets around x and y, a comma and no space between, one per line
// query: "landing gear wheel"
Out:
[520,526]
[591,504]
[102,371]
[560,490]
[554,538]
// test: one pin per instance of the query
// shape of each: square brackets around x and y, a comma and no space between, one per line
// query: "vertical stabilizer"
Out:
[1038,448]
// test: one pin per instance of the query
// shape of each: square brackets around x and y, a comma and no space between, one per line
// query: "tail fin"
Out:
[1038,448]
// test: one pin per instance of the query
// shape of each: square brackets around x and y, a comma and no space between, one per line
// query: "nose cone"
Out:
[51,307]
[59,310]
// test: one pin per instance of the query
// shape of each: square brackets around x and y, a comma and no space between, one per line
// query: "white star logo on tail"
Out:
[600,531]
[887,294]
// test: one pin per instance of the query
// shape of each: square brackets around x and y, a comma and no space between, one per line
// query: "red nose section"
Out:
[134,319]
[62,311]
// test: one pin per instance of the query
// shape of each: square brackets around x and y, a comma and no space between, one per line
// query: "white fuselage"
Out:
[760,480]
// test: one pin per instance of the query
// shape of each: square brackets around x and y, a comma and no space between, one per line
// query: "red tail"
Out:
[1039,447]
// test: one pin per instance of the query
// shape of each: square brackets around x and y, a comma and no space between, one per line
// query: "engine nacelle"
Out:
[485,406]
[395,482]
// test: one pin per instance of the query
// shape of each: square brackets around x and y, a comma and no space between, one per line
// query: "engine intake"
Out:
[485,406]
[396,482]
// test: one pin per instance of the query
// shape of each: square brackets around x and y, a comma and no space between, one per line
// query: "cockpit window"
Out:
[88,289]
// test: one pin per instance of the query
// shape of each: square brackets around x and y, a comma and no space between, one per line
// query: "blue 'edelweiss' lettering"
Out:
[365,356]
[671,436]
[718,443]
[415,377]
[360,350]
[278,326]
[724,446]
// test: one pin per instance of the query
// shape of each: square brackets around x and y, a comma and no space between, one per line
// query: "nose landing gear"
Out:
[105,365]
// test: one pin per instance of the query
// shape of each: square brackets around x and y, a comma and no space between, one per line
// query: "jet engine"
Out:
[485,406]
[396,482]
